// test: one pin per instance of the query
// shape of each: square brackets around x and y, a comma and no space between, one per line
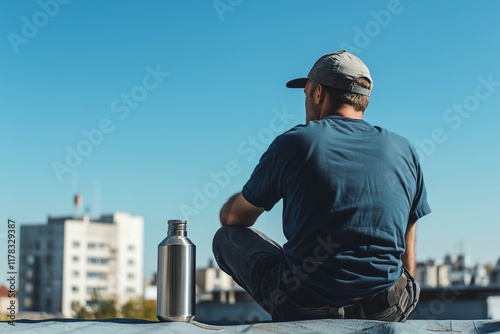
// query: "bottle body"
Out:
[176,275]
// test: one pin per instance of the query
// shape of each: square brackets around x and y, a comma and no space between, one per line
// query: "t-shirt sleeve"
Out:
[262,189]
[420,207]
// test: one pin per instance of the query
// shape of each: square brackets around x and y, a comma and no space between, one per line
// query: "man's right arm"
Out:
[239,212]
[408,257]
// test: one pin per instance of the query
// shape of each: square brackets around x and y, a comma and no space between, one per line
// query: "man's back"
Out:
[352,194]
[347,188]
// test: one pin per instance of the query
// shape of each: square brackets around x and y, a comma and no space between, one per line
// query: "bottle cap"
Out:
[177,224]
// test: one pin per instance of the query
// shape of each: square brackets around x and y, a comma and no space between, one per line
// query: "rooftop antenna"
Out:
[77,201]
[78,204]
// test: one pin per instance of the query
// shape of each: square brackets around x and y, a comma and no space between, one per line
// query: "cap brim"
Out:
[297,83]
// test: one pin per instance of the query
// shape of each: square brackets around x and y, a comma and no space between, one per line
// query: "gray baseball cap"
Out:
[338,70]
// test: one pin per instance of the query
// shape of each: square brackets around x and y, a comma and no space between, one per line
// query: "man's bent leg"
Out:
[254,261]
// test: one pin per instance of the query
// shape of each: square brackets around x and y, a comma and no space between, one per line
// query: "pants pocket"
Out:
[409,298]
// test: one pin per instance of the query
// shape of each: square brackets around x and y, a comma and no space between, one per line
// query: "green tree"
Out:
[98,308]
[105,308]
[149,310]
[132,308]
[138,308]
[80,311]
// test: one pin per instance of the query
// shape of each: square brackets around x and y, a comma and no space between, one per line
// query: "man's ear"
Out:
[319,94]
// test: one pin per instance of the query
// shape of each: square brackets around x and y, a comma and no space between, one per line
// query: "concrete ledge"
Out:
[125,326]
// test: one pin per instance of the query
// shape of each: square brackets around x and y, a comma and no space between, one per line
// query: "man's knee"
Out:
[218,239]
[221,238]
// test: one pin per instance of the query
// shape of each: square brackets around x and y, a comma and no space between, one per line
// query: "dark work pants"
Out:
[258,265]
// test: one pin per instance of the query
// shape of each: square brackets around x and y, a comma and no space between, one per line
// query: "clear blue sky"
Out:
[214,102]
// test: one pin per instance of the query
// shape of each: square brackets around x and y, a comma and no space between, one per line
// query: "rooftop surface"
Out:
[125,326]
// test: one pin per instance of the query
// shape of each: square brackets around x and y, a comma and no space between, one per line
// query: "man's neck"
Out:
[346,111]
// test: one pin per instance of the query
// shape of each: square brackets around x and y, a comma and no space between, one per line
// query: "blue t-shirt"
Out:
[349,190]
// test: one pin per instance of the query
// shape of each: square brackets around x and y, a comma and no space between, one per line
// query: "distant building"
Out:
[480,276]
[462,273]
[212,281]
[455,270]
[494,275]
[219,298]
[432,274]
[150,289]
[68,259]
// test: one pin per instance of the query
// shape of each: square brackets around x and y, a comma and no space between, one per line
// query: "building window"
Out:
[30,259]
[74,288]
[29,273]
[37,244]
[48,303]
[102,246]
[76,273]
[76,258]
[50,244]
[97,260]
[76,244]
[130,290]
[28,302]
[96,274]
[131,247]
[91,290]
[28,288]
[48,259]
[91,245]
[130,261]
[130,276]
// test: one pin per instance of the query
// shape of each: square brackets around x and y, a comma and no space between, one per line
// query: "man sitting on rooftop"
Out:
[352,194]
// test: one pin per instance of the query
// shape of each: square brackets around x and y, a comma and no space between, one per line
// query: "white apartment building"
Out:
[432,274]
[68,259]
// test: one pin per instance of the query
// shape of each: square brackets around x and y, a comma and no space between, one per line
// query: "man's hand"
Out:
[239,212]
[408,257]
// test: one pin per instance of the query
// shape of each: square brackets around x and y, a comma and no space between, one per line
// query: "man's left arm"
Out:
[408,257]
[239,212]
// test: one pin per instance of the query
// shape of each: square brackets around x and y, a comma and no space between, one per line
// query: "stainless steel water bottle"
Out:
[176,296]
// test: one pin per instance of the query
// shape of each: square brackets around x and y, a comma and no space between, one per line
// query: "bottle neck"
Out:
[177,233]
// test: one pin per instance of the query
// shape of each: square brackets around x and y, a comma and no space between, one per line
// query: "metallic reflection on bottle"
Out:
[176,299]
